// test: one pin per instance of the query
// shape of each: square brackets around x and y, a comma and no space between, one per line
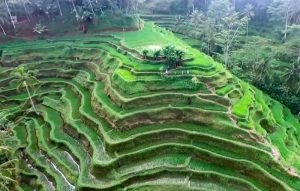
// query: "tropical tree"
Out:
[74,9]
[59,8]
[263,73]
[40,30]
[219,9]
[173,56]
[92,8]
[25,79]
[292,77]
[230,29]
[298,90]
[196,17]
[298,57]
[248,13]
[282,11]
[84,17]
[8,10]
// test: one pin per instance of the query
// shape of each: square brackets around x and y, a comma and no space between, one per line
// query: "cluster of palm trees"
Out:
[170,54]
[284,88]
[26,8]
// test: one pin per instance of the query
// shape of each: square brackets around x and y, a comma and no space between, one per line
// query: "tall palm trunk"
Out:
[58,4]
[73,3]
[287,17]
[29,95]
[226,56]
[2,29]
[9,14]
[26,11]
[92,8]
[247,31]
[298,58]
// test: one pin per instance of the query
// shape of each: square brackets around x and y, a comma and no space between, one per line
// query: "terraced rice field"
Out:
[108,120]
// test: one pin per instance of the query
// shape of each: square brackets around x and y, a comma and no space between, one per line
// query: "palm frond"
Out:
[3,187]
[3,148]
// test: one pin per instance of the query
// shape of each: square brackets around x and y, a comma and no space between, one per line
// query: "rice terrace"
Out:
[136,95]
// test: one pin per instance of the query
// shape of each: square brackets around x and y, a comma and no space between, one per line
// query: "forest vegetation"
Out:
[257,40]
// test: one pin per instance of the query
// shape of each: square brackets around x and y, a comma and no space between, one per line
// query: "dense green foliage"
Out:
[246,36]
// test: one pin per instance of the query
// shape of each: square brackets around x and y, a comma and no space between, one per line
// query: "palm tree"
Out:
[4,19]
[92,8]
[196,17]
[25,9]
[7,170]
[298,57]
[73,3]
[26,80]
[8,10]
[249,13]
[263,72]
[298,90]
[58,4]
[292,77]
[40,30]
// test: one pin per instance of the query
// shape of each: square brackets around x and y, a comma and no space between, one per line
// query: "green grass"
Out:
[241,109]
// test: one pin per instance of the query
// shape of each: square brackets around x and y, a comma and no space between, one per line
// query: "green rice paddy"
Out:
[109,120]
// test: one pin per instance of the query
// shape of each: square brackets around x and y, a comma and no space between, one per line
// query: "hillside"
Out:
[110,120]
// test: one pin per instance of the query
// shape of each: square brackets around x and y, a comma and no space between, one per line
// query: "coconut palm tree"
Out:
[92,8]
[4,19]
[292,77]
[25,9]
[58,4]
[74,7]
[263,72]
[40,30]
[249,13]
[25,79]
[298,90]
[196,17]
[8,10]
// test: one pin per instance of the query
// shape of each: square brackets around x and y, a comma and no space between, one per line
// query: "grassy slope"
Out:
[129,93]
